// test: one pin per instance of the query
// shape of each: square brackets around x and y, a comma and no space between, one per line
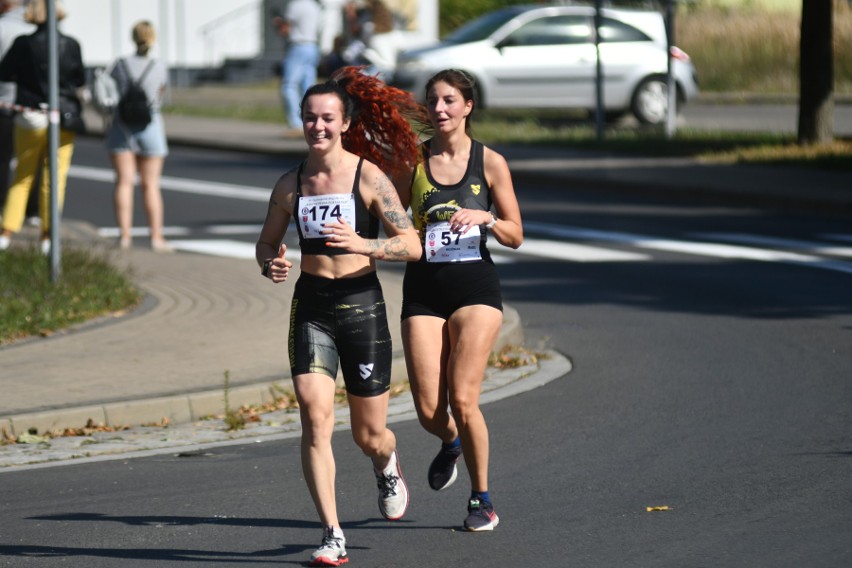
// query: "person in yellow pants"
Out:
[31,152]
[24,65]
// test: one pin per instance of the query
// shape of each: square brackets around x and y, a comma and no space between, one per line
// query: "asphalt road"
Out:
[715,387]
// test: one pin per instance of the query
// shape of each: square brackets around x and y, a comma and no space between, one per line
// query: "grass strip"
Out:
[31,304]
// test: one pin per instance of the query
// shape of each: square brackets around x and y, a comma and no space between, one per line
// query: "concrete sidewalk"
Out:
[205,317]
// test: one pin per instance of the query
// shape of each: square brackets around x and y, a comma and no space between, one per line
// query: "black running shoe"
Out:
[480,516]
[443,470]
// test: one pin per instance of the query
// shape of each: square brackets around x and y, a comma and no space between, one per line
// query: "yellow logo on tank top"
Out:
[474,187]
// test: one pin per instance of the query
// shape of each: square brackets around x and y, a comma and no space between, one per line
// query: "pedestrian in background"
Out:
[452,304]
[26,65]
[300,27]
[140,148]
[338,316]
[12,25]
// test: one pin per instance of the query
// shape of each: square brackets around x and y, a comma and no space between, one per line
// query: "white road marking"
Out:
[691,247]
[560,250]
[795,244]
[532,247]
[212,188]
[113,232]
[226,248]
[173,231]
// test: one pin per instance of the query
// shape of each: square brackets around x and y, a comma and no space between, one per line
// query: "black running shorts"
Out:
[341,320]
[442,288]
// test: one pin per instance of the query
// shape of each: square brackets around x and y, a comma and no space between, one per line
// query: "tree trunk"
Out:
[816,73]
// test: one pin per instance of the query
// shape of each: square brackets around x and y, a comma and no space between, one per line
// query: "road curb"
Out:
[194,406]
[193,438]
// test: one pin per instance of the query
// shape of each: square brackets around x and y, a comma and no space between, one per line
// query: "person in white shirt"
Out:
[140,148]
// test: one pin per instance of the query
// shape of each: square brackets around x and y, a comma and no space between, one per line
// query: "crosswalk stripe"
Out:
[809,246]
[211,188]
[560,250]
[224,247]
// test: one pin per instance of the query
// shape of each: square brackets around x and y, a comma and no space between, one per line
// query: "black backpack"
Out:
[133,107]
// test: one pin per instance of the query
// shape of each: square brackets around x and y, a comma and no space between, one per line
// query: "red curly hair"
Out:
[383,123]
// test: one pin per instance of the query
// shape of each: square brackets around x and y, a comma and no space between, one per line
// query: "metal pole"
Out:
[599,84]
[164,40]
[53,138]
[180,29]
[671,87]
[117,35]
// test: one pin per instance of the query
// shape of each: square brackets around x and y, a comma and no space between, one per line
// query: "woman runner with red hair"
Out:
[356,127]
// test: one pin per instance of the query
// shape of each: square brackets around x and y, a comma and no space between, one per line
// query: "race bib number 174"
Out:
[317,210]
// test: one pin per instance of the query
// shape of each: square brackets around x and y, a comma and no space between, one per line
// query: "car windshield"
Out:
[482,27]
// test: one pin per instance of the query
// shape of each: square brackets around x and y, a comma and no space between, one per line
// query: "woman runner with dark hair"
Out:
[452,304]
[336,199]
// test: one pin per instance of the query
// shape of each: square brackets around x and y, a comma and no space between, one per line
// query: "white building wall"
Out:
[190,33]
[199,33]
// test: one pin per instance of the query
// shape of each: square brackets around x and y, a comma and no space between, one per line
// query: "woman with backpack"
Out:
[136,139]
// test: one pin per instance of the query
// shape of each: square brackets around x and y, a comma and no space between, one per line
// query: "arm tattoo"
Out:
[396,249]
[389,249]
[390,201]
[397,219]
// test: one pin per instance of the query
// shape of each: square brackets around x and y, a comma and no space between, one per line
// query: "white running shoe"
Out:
[4,242]
[44,246]
[393,492]
[332,551]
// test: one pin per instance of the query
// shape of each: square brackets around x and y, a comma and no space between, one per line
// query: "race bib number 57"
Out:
[443,245]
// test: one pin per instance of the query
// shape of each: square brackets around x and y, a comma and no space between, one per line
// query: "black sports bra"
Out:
[366,225]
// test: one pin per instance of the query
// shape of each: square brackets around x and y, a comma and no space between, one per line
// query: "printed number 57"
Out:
[447,238]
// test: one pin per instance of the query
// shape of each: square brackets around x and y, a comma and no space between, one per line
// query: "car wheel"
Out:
[650,101]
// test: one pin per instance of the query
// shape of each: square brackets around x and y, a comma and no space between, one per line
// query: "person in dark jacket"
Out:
[12,25]
[26,65]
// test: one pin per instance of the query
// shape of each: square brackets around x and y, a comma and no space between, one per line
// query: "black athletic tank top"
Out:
[366,225]
[432,201]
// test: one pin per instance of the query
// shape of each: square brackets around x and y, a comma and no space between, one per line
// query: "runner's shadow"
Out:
[274,556]
[171,520]
[168,554]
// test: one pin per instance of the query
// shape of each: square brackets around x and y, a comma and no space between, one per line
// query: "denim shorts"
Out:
[149,141]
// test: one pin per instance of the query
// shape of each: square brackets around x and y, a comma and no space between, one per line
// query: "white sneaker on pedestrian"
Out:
[332,551]
[44,247]
[4,242]
[393,492]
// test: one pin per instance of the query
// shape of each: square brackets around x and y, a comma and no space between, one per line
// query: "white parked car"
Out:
[544,57]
